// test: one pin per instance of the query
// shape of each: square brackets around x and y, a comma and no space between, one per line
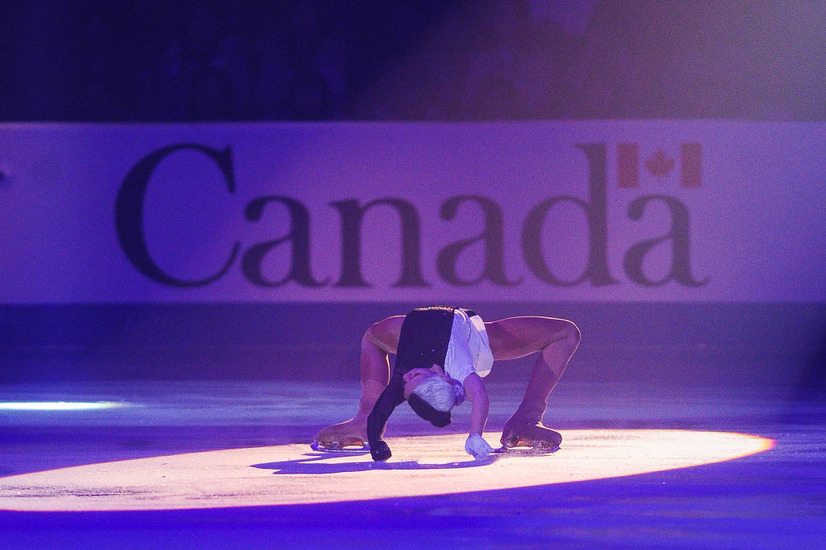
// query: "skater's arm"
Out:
[479,405]
[390,398]
[478,395]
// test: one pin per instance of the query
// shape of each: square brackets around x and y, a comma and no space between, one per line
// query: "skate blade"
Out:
[504,449]
[318,447]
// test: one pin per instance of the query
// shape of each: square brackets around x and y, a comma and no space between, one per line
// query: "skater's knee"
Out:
[569,336]
[573,334]
[383,335]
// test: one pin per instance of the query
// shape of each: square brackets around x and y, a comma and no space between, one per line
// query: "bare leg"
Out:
[555,340]
[378,342]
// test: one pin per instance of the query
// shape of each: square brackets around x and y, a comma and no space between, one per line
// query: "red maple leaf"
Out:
[660,165]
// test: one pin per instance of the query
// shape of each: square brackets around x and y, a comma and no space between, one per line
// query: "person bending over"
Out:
[442,354]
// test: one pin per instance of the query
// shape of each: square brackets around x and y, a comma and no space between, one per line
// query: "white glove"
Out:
[477,447]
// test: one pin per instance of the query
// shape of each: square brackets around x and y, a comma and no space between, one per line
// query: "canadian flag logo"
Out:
[659,165]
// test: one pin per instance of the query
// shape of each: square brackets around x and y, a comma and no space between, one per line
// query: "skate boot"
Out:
[524,433]
[351,433]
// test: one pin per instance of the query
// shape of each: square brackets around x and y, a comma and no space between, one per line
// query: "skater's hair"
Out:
[439,393]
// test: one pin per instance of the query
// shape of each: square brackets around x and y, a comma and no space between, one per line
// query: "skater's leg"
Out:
[555,340]
[378,342]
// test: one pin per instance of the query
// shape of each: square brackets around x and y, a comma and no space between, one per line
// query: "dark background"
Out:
[142,61]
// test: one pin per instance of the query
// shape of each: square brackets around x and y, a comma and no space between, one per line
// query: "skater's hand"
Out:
[477,447]
[380,451]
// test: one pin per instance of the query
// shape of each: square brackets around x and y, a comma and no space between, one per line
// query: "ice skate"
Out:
[535,436]
[348,436]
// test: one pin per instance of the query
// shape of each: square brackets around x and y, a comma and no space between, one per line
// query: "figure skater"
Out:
[442,353]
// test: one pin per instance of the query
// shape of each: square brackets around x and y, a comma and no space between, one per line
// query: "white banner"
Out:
[414,212]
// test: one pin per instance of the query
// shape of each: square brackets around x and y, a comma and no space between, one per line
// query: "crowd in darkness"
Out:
[190,60]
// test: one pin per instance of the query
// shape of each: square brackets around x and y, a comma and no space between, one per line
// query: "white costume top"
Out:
[468,350]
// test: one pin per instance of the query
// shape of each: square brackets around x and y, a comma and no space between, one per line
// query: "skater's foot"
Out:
[520,433]
[350,433]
